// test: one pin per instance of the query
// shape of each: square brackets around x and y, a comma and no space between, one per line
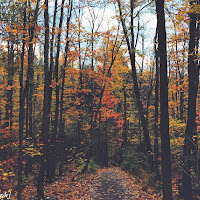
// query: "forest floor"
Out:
[103,184]
[114,184]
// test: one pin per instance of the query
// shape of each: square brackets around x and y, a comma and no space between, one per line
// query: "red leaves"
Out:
[71,186]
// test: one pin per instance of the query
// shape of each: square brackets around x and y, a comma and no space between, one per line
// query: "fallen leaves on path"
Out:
[115,184]
[104,184]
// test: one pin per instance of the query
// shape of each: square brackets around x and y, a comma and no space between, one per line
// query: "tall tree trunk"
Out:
[30,81]
[30,77]
[9,92]
[46,111]
[55,124]
[124,134]
[164,115]
[51,163]
[156,132]
[30,74]
[27,108]
[105,147]
[193,73]
[79,123]
[61,127]
[21,112]
[195,146]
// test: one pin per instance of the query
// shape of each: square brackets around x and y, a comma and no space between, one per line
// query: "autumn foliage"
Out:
[71,102]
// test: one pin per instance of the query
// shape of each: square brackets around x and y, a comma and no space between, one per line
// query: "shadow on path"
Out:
[111,185]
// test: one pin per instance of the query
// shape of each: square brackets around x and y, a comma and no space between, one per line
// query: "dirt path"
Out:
[110,185]
[104,184]
[114,184]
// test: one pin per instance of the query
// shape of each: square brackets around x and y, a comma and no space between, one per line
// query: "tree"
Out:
[46,107]
[65,65]
[191,128]
[21,111]
[132,53]
[156,131]
[164,115]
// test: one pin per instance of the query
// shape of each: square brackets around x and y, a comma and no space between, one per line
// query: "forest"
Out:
[99,99]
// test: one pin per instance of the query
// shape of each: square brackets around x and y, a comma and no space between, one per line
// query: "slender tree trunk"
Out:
[9,92]
[61,128]
[79,124]
[21,113]
[51,164]
[124,134]
[27,109]
[30,74]
[195,146]
[46,111]
[100,139]
[156,133]
[132,51]
[51,154]
[164,115]
[193,73]
[106,145]
[55,124]
[6,118]
[30,77]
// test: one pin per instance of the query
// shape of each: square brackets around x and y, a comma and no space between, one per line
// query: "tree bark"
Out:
[164,115]
[124,136]
[156,131]
[51,160]
[46,111]
[21,113]
[61,128]
[193,74]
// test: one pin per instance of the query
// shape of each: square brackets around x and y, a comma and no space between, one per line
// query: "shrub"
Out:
[92,166]
[134,161]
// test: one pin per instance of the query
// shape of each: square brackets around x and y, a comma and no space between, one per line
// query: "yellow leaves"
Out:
[5,178]
[178,141]
[33,41]
[11,174]
[132,141]
[32,151]
[5,174]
